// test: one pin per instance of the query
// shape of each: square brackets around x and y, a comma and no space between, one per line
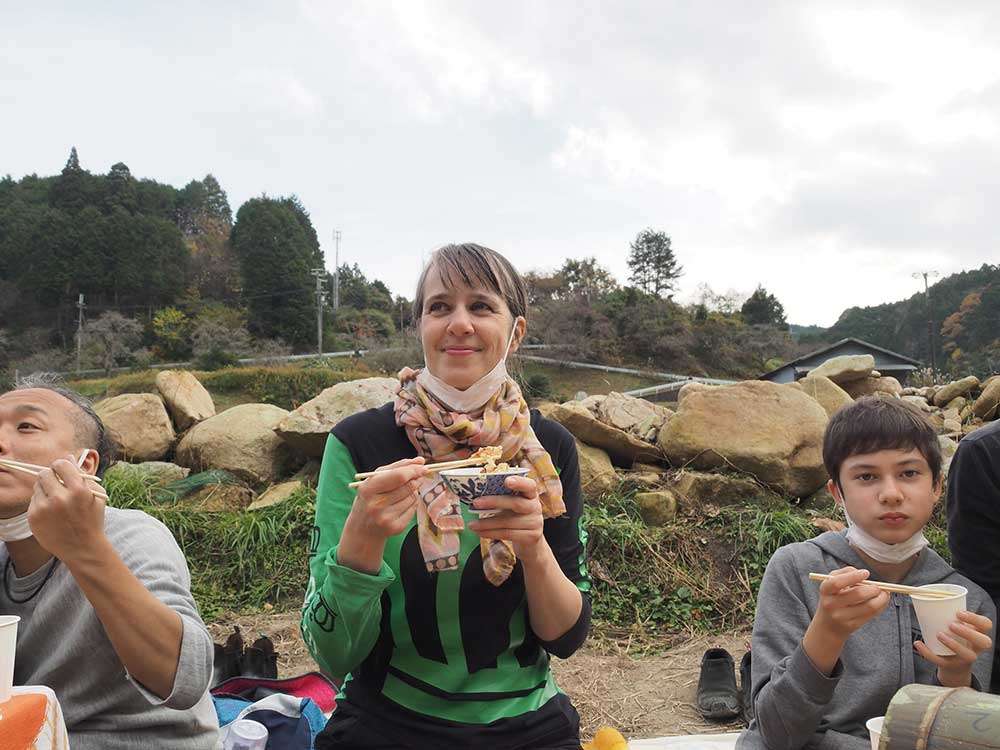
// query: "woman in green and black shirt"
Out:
[441,621]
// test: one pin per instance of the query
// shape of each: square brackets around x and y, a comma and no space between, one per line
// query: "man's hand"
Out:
[65,516]
[956,670]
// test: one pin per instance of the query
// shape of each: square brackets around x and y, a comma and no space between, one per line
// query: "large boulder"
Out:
[597,475]
[307,428]
[140,424]
[872,386]
[153,473]
[920,402]
[846,368]
[187,400]
[693,387]
[276,494]
[623,449]
[639,417]
[954,389]
[698,488]
[829,395]
[241,440]
[986,406]
[765,429]
[948,448]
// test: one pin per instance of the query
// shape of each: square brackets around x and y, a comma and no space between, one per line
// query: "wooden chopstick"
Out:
[23,465]
[894,587]
[431,468]
[35,472]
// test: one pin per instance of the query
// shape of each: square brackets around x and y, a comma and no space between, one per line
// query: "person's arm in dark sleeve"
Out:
[973,507]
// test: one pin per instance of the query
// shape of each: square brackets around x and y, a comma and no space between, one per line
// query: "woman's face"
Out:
[464,331]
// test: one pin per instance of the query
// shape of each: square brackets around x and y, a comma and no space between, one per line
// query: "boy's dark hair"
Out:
[90,430]
[873,424]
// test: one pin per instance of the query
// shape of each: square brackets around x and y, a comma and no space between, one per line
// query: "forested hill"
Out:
[121,241]
[965,308]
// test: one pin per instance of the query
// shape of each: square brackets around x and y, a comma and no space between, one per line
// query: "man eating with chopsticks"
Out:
[828,657]
[107,617]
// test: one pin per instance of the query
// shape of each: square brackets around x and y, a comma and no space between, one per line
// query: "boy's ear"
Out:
[834,490]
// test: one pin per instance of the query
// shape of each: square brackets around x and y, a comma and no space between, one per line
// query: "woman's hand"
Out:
[956,670]
[520,519]
[383,507]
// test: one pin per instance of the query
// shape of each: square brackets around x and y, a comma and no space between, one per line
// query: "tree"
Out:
[763,308]
[113,335]
[652,265]
[73,189]
[277,248]
[587,278]
[171,329]
[121,188]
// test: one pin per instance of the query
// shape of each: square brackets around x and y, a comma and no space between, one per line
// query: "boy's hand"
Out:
[845,604]
[956,670]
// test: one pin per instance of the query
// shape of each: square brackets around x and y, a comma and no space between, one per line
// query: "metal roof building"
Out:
[886,362]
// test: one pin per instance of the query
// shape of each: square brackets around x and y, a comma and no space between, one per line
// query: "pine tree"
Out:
[652,265]
[763,308]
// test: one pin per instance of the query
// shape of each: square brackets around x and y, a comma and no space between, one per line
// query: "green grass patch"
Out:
[239,561]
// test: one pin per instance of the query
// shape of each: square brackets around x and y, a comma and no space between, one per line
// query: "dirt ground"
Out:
[610,681]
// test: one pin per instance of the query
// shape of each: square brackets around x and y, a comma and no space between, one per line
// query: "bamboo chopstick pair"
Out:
[894,587]
[35,470]
[442,466]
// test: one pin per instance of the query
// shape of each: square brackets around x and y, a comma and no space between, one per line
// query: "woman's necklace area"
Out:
[33,594]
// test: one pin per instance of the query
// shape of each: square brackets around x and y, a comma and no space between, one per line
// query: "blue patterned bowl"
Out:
[468,484]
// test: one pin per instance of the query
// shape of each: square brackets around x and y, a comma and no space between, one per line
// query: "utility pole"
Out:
[336,269]
[319,273]
[930,314]
[79,330]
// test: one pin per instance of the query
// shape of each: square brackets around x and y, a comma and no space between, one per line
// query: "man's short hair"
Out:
[88,427]
[873,424]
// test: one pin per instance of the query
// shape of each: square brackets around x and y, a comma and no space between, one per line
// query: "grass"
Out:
[566,381]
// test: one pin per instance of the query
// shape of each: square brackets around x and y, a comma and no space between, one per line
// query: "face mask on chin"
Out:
[476,395]
[17,529]
[878,550]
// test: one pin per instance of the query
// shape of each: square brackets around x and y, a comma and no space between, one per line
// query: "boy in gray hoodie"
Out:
[827,658]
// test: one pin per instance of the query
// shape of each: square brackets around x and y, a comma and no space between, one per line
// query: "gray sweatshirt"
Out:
[62,644]
[796,705]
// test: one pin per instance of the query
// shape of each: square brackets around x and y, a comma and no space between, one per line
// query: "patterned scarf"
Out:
[439,434]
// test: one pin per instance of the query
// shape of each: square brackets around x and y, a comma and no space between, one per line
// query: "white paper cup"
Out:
[936,614]
[8,645]
[874,727]
[245,734]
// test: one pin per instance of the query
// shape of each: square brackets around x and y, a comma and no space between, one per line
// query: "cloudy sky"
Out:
[827,150]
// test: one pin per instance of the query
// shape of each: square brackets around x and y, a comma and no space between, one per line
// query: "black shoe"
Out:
[746,689]
[718,698]
[260,659]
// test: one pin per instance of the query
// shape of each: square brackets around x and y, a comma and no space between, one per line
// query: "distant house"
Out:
[886,362]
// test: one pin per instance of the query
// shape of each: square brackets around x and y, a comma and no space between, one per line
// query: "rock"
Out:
[829,395]
[140,424]
[647,468]
[241,440]
[214,498]
[623,449]
[988,403]
[910,391]
[966,413]
[646,480]
[953,389]
[928,393]
[953,414]
[580,396]
[275,494]
[545,408]
[872,386]
[951,427]
[768,430]
[656,508]
[920,402]
[597,475]
[948,448]
[974,424]
[828,524]
[958,403]
[698,488]
[155,473]
[187,400]
[636,416]
[592,403]
[307,428]
[846,368]
[309,473]
[693,387]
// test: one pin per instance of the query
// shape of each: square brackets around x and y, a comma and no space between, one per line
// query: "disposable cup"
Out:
[936,614]
[874,727]
[245,734]
[8,645]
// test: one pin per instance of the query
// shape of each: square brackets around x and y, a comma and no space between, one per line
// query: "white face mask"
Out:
[876,548]
[477,394]
[15,529]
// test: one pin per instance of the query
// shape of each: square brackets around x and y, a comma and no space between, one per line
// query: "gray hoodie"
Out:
[796,705]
